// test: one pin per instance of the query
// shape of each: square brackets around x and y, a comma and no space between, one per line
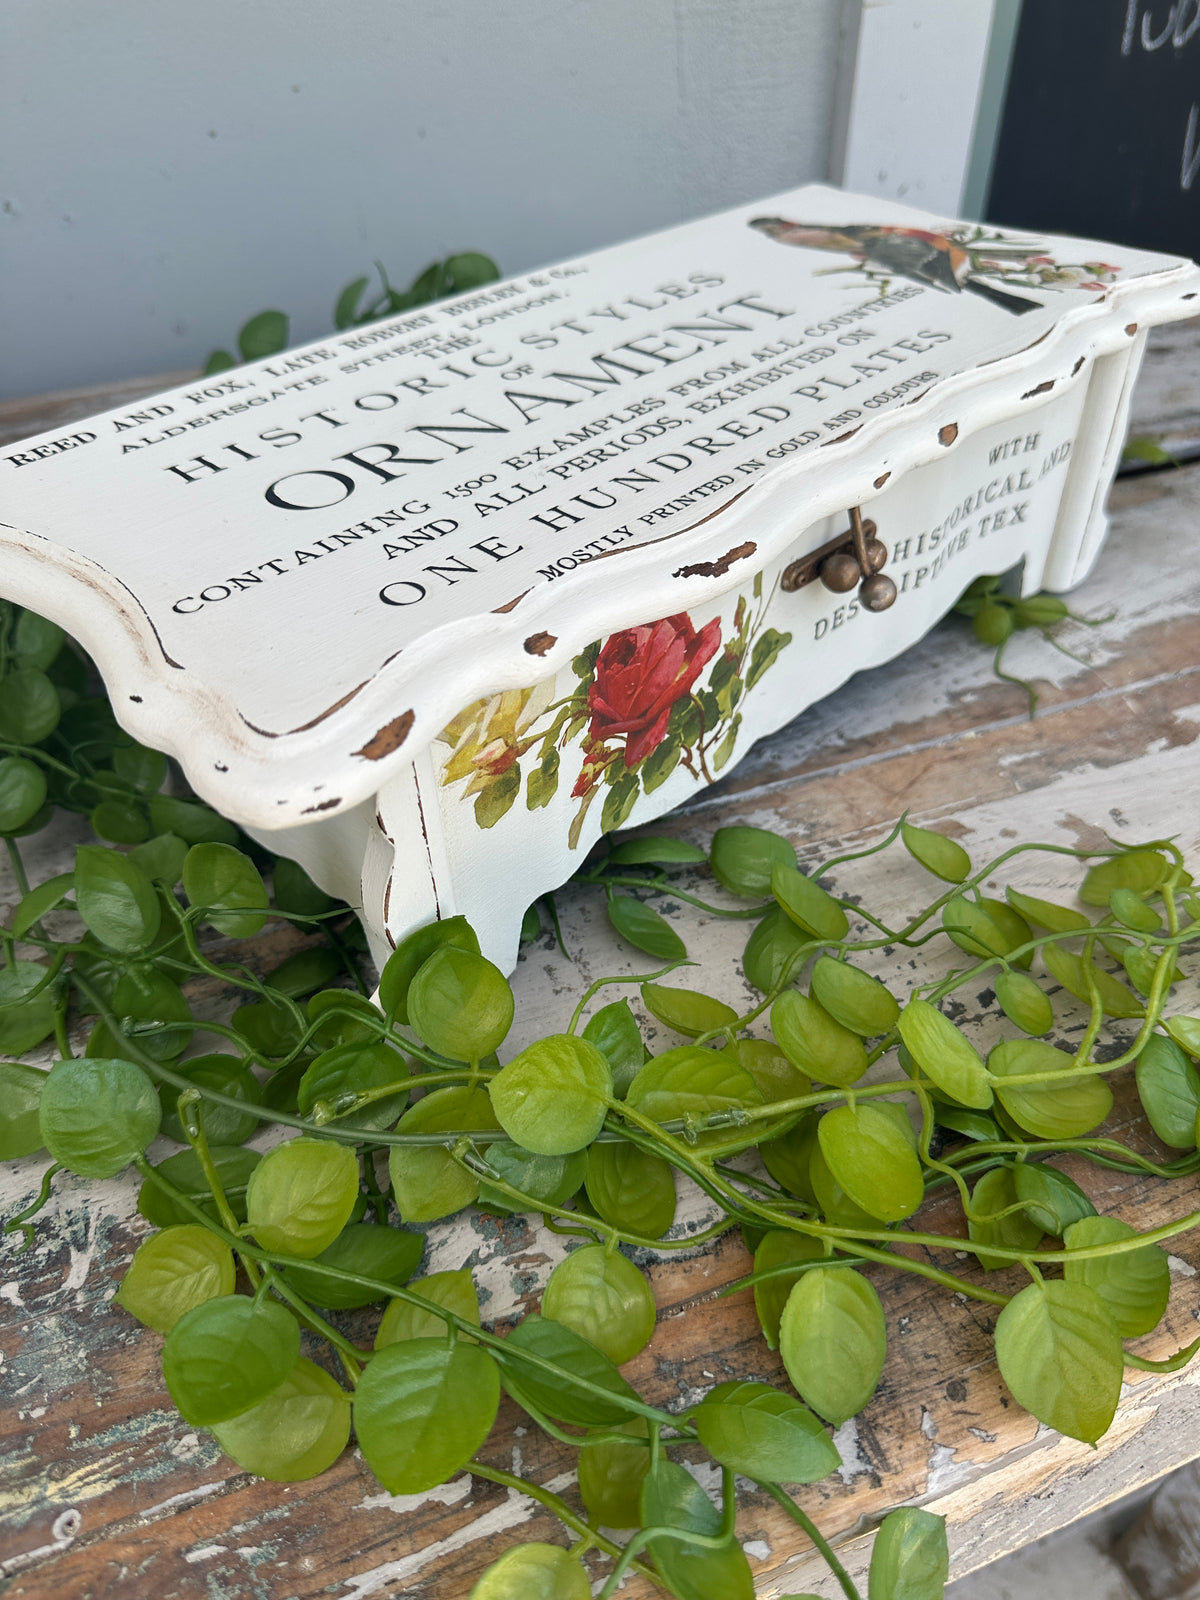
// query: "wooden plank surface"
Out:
[105,1492]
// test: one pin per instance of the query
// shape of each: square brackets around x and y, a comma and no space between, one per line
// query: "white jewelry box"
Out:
[430,604]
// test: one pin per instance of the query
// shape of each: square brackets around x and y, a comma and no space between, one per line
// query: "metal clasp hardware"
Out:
[854,557]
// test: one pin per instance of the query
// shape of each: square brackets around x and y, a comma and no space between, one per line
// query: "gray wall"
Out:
[168,167]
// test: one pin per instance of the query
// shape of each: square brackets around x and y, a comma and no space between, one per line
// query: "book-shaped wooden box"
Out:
[431,604]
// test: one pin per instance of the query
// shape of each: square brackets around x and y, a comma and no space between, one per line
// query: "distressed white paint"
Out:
[179,168]
[917,72]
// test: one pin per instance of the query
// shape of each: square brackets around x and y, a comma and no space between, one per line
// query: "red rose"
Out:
[640,674]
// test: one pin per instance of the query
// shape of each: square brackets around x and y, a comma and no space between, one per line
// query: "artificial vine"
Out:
[401,1113]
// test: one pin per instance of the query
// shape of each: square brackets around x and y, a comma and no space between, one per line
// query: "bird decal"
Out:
[950,262]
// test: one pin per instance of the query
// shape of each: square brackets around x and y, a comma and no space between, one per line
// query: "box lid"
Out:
[293,574]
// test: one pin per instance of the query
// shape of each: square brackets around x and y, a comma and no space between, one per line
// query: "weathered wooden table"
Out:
[106,1492]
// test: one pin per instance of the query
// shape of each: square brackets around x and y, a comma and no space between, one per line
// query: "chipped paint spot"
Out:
[882,479]
[323,805]
[445,1494]
[757,1549]
[719,567]
[849,1447]
[513,1510]
[943,1472]
[948,434]
[205,1553]
[1041,388]
[390,737]
[1180,1268]
[538,644]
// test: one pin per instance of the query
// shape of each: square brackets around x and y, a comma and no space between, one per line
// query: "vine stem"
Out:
[562,1511]
[782,1498]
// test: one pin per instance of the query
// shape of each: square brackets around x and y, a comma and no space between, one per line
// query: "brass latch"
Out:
[855,556]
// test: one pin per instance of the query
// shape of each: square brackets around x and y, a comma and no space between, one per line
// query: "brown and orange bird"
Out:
[929,258]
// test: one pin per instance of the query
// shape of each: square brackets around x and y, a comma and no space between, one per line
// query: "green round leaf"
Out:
[161,858]
[1075,974]
[455,1291]
[1130,909]
[547,1180]
[45,897]
[460,1004]
[853,998]
[226,1355]
[28,1006]
[685,1011]
[350,1069]
[534,1572]
[299,1430]
[937,854]
[227,1075]
[615,1033]
[765,1434]
[184,1172]
[605,1299]
[1024,1002]
[872,1161]
[692,1083]
[774,951]
[1052,1200]
[1142,871]
[778,1248]
[1186,1033]
[818,1045]
[29,707]
[115,898]
[264,335]
[344,1017]
[174,1271]
[1065,1110]
[300,1196]
[653,850]
[776,1077]
[644,928]
[120,821]
[1060,1354]
[192,822]
[1135,1286]
[422,1409]
[610,1477]
[226,882]
[295,892]
[632,1189]
[369,1250]
[671,1497]
[834,1204]
[411,954]
[788,1158]
[944,1055]
[96,1116]
[993,1193]
[552,1098]
[743,859]
[1169,1089]
[36,640]
[561,1397]
[974,930]
[144,769]
[833,1341]
[20,1096]
[1045,913]
[426,1180]
[807,904]
[910,1559]
[22,791]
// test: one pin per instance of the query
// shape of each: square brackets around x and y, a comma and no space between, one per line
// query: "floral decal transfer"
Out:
[646,701]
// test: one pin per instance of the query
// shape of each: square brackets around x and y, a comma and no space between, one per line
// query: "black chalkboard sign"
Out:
[1100,133]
